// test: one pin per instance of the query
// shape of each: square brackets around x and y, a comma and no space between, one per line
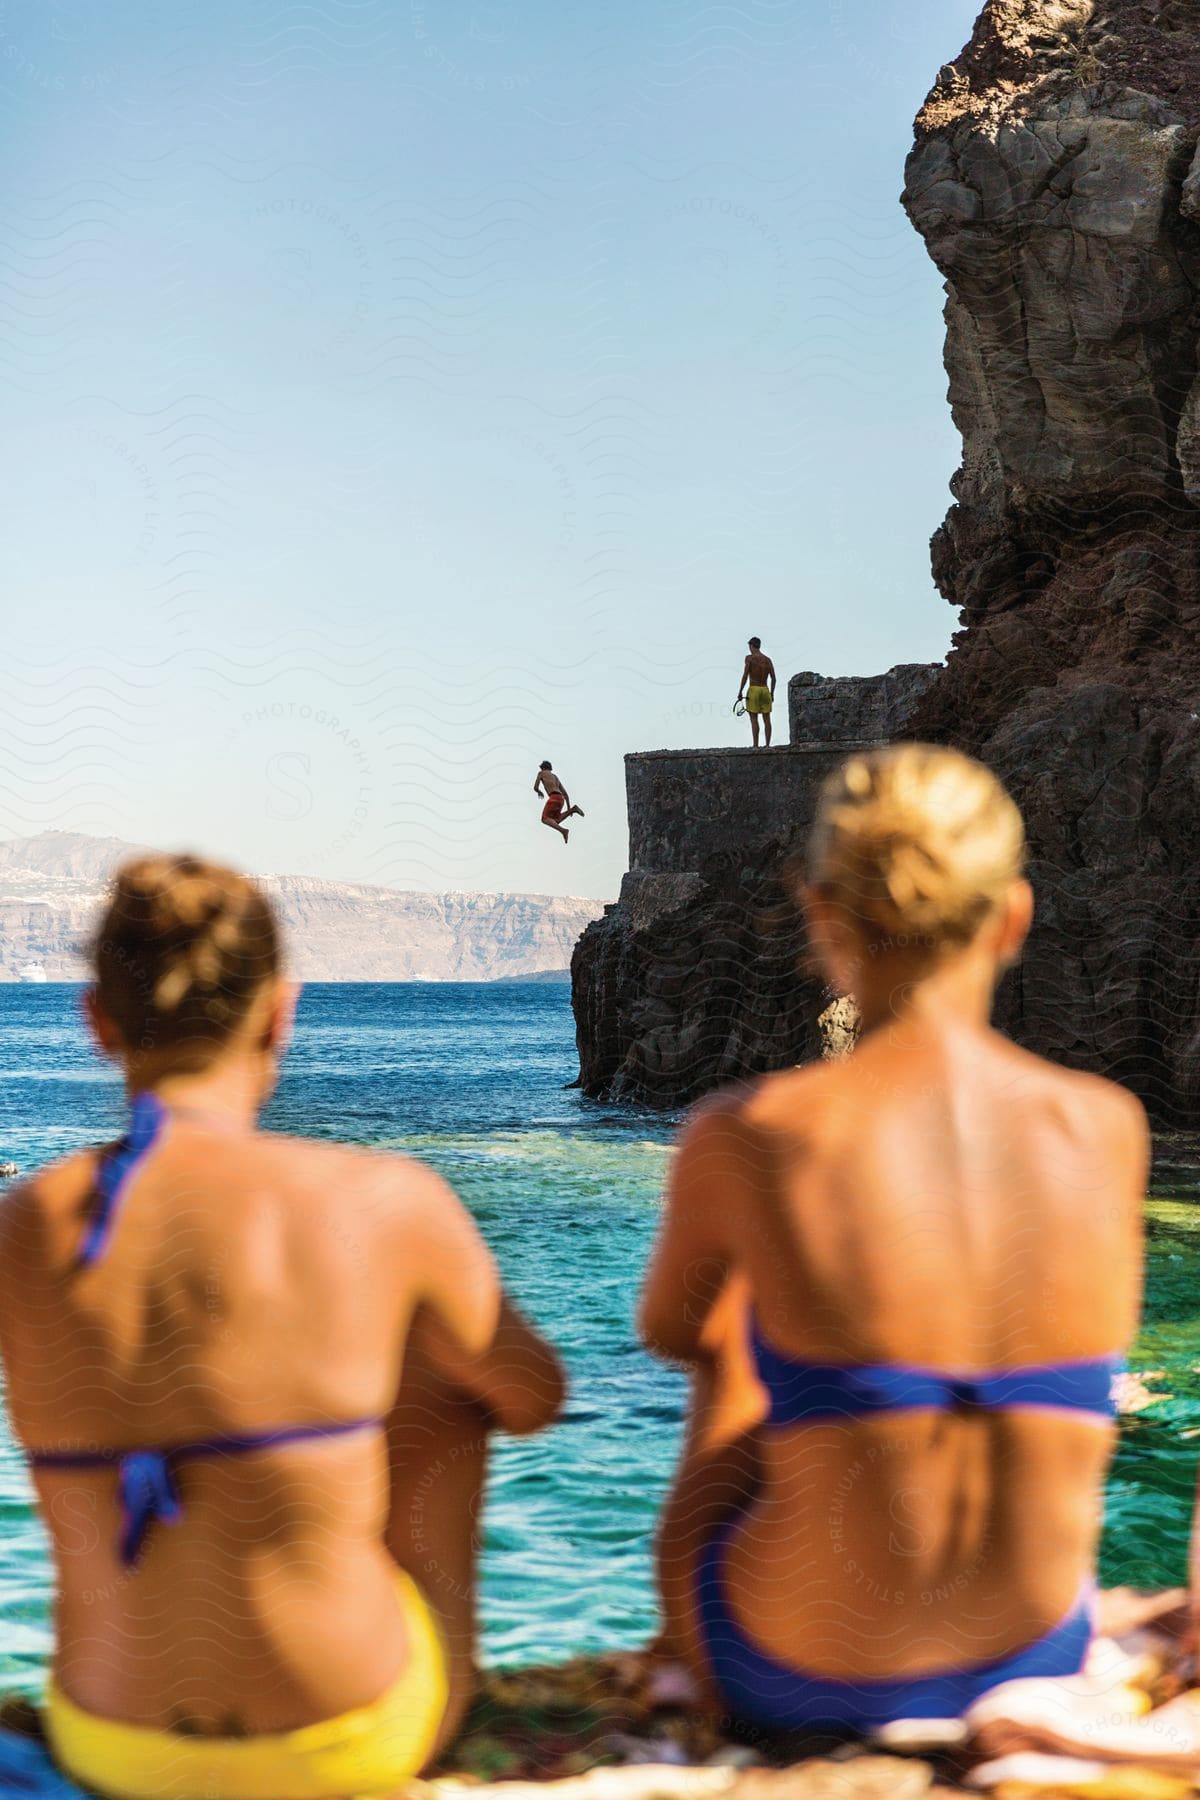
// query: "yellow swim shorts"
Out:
[367,1753]
[758,699]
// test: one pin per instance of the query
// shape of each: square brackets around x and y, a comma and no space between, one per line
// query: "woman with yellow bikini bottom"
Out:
[255,1377]
[368,1751]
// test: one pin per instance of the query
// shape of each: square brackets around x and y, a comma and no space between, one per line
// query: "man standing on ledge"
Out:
[759,672]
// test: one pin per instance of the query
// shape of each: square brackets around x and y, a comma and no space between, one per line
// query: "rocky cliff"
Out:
[51,888]
[1055,179]
[1056,182]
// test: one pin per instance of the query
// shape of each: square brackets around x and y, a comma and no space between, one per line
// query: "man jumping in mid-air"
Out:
[558,801]
[760,695]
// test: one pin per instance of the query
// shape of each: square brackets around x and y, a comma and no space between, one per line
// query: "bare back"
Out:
[939,1201]
[251,1283]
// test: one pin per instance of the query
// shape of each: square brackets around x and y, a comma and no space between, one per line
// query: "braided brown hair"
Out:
[183,948]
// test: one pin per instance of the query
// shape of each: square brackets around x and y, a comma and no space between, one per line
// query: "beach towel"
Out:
[26,1768]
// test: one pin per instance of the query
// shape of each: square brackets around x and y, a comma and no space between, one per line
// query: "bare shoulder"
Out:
[792,1101]
[61,1187]
[387,1182]
[42,1212]
[756,1120]
[1113,1108]
[1083,1104]
[726,1109]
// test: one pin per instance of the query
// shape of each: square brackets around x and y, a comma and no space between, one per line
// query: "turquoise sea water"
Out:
[472,1077]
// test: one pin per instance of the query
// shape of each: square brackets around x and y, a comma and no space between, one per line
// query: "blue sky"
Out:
[400,391]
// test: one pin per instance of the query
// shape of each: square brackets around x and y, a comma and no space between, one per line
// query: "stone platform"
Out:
[693,810]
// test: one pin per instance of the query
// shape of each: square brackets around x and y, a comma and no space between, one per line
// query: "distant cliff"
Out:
[1056,182]
[51,888]
[696,975]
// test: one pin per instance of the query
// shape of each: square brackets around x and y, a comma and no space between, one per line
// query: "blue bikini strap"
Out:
[808,1392]
[117,1166]
[146,1488]
[1085,1385]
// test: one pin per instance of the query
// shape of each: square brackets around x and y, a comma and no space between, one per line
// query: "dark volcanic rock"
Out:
[1056,183]
[733,813]
[689,981]
[856,709]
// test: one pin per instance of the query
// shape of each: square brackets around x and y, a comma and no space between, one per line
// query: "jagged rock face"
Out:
[691,981]
[1056,182]
[844,709]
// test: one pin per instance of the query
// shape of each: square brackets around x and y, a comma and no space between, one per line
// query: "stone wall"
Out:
[850,709]
[721,809]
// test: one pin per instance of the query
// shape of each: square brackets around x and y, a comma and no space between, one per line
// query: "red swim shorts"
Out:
[553,807]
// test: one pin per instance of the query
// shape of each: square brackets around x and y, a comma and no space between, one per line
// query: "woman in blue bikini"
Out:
[255,1377]
[903,1282]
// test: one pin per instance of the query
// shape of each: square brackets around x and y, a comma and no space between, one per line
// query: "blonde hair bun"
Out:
[917,843]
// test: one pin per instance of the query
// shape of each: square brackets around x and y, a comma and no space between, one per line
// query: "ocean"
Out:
[473,1077]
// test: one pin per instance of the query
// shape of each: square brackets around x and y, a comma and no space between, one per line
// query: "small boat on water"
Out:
[31,971]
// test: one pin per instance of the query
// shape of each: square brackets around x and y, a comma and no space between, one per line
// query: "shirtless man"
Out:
[558,801]
[759,672]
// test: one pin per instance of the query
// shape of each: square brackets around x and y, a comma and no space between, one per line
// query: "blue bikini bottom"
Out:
[759,1690]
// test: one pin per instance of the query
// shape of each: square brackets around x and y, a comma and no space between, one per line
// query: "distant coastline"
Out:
[540,978]
[562,976]
[52,889]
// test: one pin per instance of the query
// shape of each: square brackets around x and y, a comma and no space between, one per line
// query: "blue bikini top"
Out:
[147,1489]
[809,1393]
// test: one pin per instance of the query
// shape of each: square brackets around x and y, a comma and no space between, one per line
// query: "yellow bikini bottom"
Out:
[366,1753]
